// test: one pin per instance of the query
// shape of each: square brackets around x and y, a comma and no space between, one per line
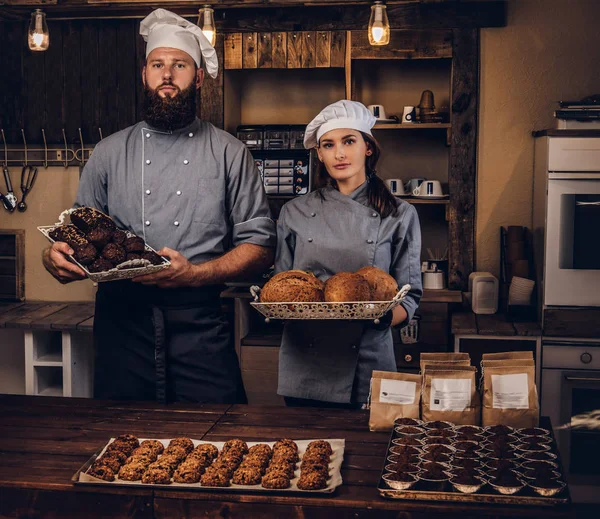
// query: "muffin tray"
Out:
[424,489]
[126,270]
[350,310]
[335,478]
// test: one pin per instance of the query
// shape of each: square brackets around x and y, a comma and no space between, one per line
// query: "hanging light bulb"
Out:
[206,22]
[38,36]
[379,25]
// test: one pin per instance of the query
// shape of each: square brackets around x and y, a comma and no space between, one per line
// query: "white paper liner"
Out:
[335,463]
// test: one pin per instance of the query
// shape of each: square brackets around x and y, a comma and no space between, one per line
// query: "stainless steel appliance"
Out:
[566,213]
[571,398]
[285,166]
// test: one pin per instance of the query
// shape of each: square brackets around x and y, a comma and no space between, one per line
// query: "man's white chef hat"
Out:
[341,114]
[162,28]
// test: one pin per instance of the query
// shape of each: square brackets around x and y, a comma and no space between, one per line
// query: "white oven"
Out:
[567,220]
[571,398]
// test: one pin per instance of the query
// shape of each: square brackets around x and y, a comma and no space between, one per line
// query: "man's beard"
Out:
[169,113]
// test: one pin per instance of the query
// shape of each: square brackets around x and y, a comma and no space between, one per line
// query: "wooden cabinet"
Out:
[297,49]
[12,264]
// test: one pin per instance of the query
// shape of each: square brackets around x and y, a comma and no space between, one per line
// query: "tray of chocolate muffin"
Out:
[104,252]
[441,461]
[368,293]
[235,465]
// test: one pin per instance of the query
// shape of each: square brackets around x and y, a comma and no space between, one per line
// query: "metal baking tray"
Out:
[358,310]
[81,478]
[443,491]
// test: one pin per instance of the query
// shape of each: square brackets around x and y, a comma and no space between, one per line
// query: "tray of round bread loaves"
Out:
[235,465]
[104,252]
[368,293]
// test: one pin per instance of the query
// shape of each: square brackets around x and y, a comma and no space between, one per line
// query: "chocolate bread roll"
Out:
[99,237]
[68,234]
[88,218]
[114,253]
[85,254]
[134,244]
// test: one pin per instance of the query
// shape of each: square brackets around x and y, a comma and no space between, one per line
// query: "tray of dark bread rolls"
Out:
[104,252]
[367,294]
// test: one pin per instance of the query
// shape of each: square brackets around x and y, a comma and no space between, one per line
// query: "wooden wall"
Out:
[89,78]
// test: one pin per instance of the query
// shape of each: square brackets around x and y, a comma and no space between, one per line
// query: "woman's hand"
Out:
[56,262]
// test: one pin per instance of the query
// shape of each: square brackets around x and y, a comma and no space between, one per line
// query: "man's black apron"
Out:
[164,344]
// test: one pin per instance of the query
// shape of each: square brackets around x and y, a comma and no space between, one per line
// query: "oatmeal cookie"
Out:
[102,472]
[121,446]
[155,445]
[285,455]
[188,472]
[321,468]
[210,449]
[112,462]
[146,450]
[175,451]
[132,471]
[236,445]
[214,478]
[312,481]
[253,463]
[247,476]
[285,442]
[261,449]
[186,443]
[285,468]
[141,458]
[318,457]
[156,475]
[275,480]
[164,464]
[320,446]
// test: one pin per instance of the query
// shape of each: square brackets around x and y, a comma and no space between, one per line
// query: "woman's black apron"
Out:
[164,345]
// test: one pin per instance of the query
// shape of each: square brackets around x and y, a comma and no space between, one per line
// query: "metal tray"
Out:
[356,310]
[443,491]
[126,270]
[81,478]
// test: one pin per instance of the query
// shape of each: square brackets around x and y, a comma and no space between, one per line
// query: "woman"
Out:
[351,221]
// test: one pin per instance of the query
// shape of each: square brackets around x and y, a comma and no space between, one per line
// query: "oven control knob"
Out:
[586,358]
[408,357]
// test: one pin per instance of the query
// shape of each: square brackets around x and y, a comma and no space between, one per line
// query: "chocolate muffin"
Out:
[214,478]
[134,244]
[156,475]
[406,421]
[312,481]
[247,476]
[186,443]
[68,234]
[155,445]
[88,218]
[466,463]
[152,257]
[119,237]
[102,472]
[431,440]
[275,480]
[465,477]
[85,254]
[433,471]
[114,253]
[436,456]
[100,265]
[99,236]
[499,429]
[132,471]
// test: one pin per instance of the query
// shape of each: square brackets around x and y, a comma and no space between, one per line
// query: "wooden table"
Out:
[45,440]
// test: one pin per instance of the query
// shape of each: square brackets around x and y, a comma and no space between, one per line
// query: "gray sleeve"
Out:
[286,243]
[249,212]
[406,259]
[92,191]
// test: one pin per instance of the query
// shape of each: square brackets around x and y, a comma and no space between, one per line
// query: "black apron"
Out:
[164,344]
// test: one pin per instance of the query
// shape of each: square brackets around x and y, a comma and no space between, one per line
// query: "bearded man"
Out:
[192,191]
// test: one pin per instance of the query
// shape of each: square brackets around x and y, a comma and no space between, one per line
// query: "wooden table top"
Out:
[45,440]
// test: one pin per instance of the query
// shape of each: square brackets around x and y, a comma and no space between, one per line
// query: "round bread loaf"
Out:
[347,286]
[383,286]
[292,286]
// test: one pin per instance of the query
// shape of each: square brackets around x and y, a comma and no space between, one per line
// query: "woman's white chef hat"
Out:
[162,28]
[341,114]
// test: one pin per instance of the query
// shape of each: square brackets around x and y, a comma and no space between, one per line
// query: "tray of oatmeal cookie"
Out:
[235,465]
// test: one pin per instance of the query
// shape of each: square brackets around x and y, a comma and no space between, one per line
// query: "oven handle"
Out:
[587,203]
[582,379]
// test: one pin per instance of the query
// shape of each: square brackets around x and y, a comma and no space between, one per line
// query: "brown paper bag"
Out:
[450,394]
[393,395]
[451,358]
[527,355]
[510,395]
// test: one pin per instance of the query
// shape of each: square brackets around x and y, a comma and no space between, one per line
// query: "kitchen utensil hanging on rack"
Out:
[9,200]
[28,176]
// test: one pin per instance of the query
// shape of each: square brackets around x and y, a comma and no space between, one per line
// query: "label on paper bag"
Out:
[510,391]
[450,394]
[397,391]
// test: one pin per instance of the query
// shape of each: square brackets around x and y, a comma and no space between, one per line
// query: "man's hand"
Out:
[56,262]
[181,273]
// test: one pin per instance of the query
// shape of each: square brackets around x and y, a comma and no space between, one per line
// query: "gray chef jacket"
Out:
[195,190]
[333,360]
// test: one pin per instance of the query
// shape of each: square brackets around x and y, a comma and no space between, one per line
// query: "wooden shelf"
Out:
[441,296]
[440,201]
[412,126]
[51,359]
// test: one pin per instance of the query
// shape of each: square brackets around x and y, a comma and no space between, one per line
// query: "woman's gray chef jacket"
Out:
[333,360]
[194,190]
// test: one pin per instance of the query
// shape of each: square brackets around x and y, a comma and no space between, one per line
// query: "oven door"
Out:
[571,397]
[572,265]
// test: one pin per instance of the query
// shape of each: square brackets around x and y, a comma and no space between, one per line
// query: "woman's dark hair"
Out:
[379,195]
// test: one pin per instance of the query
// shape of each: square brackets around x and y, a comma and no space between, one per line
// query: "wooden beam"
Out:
[233,51]
[463,157]
[212,95]
[287,16]
[404,45]
[279,49]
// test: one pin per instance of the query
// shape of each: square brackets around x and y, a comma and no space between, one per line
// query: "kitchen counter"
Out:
[44,441]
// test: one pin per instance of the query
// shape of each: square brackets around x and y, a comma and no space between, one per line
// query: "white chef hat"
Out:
[162,28]
[341,114]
